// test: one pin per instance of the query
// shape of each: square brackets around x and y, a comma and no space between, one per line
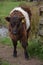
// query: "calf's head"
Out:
[16,23]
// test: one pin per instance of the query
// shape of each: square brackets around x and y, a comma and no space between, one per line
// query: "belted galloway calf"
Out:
[19,26]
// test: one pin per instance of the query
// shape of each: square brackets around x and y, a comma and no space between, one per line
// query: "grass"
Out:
[4,62]
[6,41]
[6,7]
[35,48]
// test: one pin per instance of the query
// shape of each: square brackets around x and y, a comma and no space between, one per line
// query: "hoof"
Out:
[15,54]
[26,56]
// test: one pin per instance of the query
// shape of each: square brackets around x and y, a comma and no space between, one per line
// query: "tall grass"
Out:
[35,48]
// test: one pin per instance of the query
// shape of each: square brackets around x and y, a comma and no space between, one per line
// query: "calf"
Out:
[19,27]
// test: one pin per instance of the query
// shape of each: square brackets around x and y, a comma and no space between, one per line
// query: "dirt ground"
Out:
[6,53]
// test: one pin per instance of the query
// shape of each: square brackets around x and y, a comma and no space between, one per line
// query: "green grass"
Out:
[6,41]
[6,7]
[35,48]
[4,62]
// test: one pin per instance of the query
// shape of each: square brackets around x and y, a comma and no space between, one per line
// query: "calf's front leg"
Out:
[24,41]
[15,50]
[25,45]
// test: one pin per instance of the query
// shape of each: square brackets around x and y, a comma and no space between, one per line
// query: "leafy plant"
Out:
[35,48]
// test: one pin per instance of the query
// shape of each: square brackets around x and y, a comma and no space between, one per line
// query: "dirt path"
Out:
[6,53]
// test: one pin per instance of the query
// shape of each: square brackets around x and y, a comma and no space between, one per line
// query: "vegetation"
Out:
[35,48]
[6,41]
[4,62]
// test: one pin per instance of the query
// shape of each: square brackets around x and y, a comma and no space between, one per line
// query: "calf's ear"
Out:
[7,19]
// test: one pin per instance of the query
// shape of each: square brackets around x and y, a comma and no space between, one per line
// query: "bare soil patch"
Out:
[6,53]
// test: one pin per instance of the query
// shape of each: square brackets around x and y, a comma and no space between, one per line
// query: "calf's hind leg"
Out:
[15,46]
[25,45]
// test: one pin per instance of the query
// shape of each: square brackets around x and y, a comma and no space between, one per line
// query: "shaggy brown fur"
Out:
[22,35]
